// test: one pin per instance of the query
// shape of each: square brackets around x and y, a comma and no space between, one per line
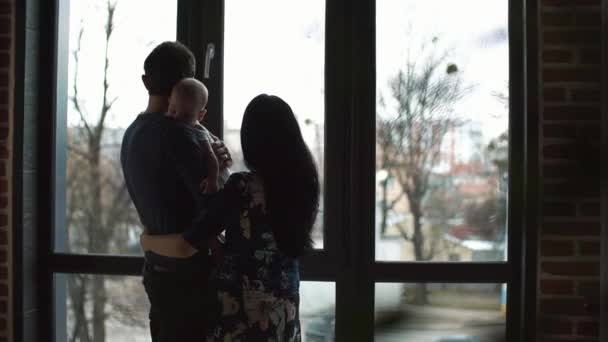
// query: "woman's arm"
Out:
[219,210]
[171,245]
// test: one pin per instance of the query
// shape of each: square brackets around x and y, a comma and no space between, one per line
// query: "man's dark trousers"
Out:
[181,304]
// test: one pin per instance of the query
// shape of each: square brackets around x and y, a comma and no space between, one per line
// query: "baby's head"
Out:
[188,100]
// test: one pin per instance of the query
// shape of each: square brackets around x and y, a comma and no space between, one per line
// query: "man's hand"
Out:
[221,152]
[143,239]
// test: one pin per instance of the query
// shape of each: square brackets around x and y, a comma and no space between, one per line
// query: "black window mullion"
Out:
[516,194]
[338,108]
[355,22]
[97,264]
[200,23]
[604,181]
[529,267]
[212,32]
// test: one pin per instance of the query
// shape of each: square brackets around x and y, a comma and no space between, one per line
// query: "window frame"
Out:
[603,309]
[349,257]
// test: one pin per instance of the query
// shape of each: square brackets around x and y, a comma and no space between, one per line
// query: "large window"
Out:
[442,130]
[108,42]
[287,62]
[413,110]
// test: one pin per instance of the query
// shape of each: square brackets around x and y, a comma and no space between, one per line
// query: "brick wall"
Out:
[6,74]
[570,124]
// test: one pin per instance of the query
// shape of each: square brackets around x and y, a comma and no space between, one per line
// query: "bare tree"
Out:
[410,140]
[99,211]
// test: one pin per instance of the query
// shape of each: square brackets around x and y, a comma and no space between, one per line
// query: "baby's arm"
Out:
[210,184]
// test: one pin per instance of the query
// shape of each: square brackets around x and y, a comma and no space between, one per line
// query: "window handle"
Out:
[209,54]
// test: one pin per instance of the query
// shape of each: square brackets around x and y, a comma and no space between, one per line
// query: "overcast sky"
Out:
[277,47]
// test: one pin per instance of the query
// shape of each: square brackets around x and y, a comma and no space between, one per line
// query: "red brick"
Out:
[559,130]
[572,37]
[557,18]
[557,326]
[572,112]
[3,150]
[572,188]
[579,229]
[561,170]
[587,288]
[4,63]
[592,132]
[556,287]
[585,95]
[3,75]
[587,328]
[561,151]
[553,248]
[591,56]
[5,25]
[570,3]
[6,8]
[558,209]
[563,306]
[573,269]
[588,18]
[571,74]
[589,248]
[5,43]
[589,209]
[554,94]
[557,56]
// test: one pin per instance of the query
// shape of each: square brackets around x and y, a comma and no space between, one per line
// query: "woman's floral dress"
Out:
[257,286]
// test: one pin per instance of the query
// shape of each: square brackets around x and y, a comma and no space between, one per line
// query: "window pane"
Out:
[117,307]
[317,311]
[440,312]
[100,217]
[106,308]
[442,130]
[276,47]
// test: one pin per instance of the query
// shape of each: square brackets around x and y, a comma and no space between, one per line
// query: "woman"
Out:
[268,214]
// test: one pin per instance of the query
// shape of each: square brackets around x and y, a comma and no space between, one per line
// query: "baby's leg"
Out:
[210,183]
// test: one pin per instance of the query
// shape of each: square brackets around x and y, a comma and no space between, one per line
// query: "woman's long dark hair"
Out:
[274,149]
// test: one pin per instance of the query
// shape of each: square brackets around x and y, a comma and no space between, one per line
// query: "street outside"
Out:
[430,324]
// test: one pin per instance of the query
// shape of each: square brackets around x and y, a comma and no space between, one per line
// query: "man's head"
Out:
[188,100]
[168,63]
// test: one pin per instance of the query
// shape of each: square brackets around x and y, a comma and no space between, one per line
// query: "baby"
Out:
[187,103]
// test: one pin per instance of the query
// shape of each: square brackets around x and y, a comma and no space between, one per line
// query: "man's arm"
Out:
[186,154]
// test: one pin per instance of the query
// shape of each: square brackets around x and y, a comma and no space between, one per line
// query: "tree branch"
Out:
[75,99]
[106,105]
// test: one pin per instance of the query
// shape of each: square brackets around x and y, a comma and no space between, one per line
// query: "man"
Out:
[163,166]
